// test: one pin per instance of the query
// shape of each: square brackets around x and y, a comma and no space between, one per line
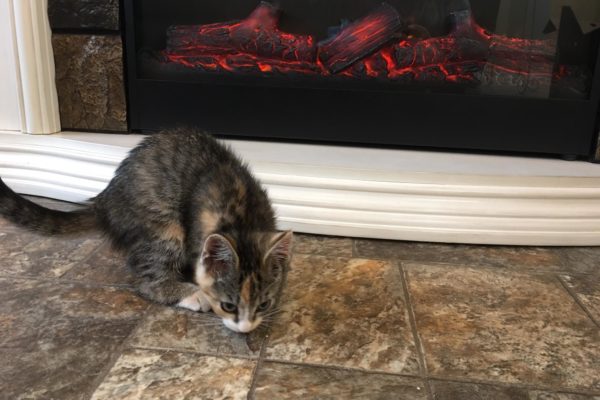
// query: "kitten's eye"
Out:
[229,307]
[264,305]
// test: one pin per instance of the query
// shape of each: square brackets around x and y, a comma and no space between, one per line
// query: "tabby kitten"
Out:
[197,228]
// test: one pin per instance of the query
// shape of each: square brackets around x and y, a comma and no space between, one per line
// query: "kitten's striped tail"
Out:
[29,215]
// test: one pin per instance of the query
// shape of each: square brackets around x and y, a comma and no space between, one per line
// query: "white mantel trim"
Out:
[327,198]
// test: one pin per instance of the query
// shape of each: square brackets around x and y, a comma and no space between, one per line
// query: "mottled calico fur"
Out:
[197,228]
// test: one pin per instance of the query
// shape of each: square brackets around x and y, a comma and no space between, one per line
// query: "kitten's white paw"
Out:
[195,302]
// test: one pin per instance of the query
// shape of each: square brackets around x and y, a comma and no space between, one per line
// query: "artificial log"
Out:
[383,66]
[408,53]
[258,35]
[515,54]
[360,38]
[243,63]
[459,57]
[465,26]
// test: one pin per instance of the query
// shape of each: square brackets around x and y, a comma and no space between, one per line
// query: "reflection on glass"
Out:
[532,48]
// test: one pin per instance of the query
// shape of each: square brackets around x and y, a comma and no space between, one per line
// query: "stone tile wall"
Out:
[88,53]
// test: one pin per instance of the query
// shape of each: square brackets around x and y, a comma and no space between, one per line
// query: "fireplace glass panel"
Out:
[525,48]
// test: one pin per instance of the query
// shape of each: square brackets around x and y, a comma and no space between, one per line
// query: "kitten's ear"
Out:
[218,255]
[281,247]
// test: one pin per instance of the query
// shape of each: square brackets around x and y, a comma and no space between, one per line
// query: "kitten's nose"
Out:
[245,326]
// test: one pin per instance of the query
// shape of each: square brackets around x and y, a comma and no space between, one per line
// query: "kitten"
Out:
[197,228]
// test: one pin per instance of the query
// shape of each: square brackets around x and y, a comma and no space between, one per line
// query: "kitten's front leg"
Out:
[196,302]
[156,264]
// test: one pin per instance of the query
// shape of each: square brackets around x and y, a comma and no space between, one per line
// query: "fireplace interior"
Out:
[459,74]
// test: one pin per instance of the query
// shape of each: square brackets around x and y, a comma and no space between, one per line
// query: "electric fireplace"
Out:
[488,75]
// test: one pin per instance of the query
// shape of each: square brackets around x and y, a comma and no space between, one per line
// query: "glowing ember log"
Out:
[360,39]
[243,63]
[459,57]
[467,55]
[405,62]
[510,54]
[257,35]
[436,51]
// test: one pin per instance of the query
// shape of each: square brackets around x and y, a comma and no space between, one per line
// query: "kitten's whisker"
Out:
[269,314]
[270,318]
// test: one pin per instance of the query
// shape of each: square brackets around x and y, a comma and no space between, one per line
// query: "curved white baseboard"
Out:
[340,191]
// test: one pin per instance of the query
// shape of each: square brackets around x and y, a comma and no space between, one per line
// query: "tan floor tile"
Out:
[55,339]
[509,257]
[471,391]
[24,253]
[322,245]
[6,225]
[587,289]
[282,381]
[503,326]
[344,312]
[171,328]
[543,395]
[149,374]
[585,260]
[105,266]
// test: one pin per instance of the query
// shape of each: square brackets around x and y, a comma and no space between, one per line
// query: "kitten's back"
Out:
[183,177]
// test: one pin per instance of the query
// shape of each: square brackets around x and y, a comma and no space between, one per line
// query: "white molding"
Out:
[558,207]
[33,44]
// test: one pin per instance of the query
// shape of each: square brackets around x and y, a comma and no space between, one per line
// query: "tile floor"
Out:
[362,319]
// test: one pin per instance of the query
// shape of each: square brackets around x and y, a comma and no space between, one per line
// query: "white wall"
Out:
[10,119]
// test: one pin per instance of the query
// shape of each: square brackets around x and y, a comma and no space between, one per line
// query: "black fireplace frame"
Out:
[567,127]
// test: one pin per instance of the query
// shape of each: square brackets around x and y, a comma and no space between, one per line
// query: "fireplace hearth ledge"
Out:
[374,193]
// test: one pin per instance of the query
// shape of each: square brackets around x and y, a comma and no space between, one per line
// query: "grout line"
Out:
[354,248]
[117,353]
[341,368]
[575,297]
[516,385]
[413,324]
[69,282]
[559,268]
[429,388]
[262,355]
[259,361]
[190,351]
[496,268]
[83,260]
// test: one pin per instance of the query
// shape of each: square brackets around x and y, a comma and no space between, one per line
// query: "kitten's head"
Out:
[242,278]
